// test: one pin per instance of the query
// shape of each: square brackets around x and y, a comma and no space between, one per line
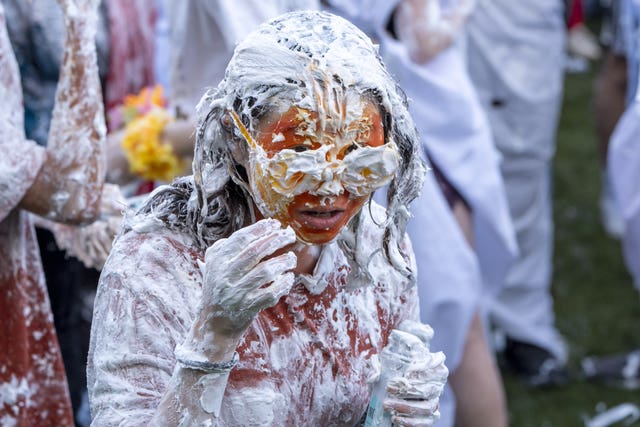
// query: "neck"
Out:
[307,254]
[307,257]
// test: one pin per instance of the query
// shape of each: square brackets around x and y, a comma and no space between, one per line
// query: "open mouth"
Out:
[322,219]
[322,214]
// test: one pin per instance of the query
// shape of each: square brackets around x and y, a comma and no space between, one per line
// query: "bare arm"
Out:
[69,184]
[180,134]
[21,159]
[91,243]
[426,29]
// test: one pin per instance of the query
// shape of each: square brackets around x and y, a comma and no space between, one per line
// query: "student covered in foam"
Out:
[260,289]
[61,182]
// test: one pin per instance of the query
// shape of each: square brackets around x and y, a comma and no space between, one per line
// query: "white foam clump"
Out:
[426,374]
[255,407]
[625,412]
[311,60]
[12,390]
[279,137]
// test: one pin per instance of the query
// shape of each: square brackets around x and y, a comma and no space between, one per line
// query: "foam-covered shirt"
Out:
[304,361]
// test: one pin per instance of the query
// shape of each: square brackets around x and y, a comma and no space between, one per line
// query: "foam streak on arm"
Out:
[73,173]
[192,398]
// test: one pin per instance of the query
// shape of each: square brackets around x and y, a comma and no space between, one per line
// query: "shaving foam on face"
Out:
[320,64]
[323,171]
[312,61]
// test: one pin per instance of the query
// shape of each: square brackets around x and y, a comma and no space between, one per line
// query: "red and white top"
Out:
[304,361]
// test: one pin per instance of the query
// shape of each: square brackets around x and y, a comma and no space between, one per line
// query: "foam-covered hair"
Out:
[301,58]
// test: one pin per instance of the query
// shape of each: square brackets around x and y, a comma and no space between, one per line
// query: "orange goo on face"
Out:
[315,172]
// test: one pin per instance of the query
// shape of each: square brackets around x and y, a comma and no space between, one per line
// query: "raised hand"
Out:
[239,277]
[11,110]
[242,275]
[75,8]
[92,243]
[426,30]
[413,398]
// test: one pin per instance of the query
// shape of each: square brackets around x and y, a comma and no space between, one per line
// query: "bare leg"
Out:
[462,214]
[610,93]
[477,384]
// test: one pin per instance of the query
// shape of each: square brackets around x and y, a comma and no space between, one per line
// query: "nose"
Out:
[330,184]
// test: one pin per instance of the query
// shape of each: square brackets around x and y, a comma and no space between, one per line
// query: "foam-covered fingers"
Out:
[268,270]
[243,238]
[403,388]
[76,8]
[265,245]
[401,421]
[413,408]
[430,368]
[420,330]
[274,278]
[412,412]
[269,295]
[263,281]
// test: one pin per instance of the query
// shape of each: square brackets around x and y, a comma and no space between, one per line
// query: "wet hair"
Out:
[286,62]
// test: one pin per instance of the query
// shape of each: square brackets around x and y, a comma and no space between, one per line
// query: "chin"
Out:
[316,238]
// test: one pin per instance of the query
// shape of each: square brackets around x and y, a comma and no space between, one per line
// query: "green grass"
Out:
[597,309]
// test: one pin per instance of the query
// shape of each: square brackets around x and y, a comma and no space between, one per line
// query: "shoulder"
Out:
[155,250]
[398,266]
[393,274]
[151,265]
[374,218]
[372,223]
[148,291]
[147,238]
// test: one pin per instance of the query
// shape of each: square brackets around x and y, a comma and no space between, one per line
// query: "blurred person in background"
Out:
[124,44]
[609,103]
[623,369]
[461,229]
[61,182]
[516,58]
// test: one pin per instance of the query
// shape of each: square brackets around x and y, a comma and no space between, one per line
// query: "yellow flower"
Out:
[147,156]
[157,97]
[147,98]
